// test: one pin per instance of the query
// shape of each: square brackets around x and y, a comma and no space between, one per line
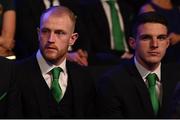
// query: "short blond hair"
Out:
[59,11]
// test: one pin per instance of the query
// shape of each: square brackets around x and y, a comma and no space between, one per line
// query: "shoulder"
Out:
[5,64]
[77,70]
[115,81]
[172,72]
[26,63]
[122,68]
[4,60]
[171,66]
[73,65]
[118,74]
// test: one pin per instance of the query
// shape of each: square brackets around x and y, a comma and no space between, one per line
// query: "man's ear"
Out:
[132,42]
[168,42]
[73,38]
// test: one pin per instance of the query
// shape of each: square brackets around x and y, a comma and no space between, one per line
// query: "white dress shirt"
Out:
[108,15]
[46,72]
[47,3]
[144,72]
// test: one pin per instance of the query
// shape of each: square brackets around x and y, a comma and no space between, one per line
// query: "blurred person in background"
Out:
[7,27]
[99,25]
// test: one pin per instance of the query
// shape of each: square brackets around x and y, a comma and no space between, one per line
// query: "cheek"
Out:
[163,49]
[143,45]
[141,49]
[164,46]
[42,39]
[62,44]
[42,42]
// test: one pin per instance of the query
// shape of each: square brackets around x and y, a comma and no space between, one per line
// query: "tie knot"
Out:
[152,77]
[56,72]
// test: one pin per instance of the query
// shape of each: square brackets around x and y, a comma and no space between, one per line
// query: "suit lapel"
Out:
[76,83]
[168,81]
[42,5]
[40,88]
[103,29]
[104,22]
[142,90]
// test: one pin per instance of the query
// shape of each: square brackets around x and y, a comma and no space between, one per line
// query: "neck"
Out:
[152,67]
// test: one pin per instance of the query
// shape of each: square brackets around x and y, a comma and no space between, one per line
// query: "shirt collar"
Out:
[144,72]
[45,66]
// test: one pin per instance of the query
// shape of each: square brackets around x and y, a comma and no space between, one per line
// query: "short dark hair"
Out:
[148,17]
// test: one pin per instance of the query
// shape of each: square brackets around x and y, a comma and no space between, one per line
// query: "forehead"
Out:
[49,16]
[152,28]
[55,22]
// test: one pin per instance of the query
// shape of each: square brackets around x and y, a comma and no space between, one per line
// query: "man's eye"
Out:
[45,31]
[145,37]
[162,37]
[60,33]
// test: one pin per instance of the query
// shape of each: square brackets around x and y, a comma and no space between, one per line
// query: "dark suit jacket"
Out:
[9,104]
[122,92]
[28,18]
[98,26]
[35,99]
[175,103]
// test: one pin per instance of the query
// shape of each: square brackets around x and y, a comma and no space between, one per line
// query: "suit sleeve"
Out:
[175,105]
[14,102]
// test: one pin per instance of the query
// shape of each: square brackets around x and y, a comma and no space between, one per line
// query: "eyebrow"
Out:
[56,30]
[149,35]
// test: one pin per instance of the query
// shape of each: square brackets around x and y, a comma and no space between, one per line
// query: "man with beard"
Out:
[50,86]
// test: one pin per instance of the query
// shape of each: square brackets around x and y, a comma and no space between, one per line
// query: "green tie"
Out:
[116,27]
[55,87]
[152,77]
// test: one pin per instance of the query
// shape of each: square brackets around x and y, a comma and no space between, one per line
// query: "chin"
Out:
[154,61]
[50,57]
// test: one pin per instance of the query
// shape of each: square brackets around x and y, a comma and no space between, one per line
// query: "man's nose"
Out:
[154,42]
[51,37]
